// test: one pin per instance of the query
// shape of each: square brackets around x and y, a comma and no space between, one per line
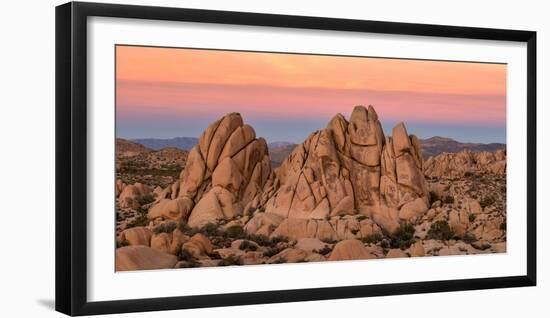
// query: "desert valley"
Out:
[347,192]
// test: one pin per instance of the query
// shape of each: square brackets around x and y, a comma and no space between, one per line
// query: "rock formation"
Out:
[225,172]
[345,169]
[351,168]
[455,165]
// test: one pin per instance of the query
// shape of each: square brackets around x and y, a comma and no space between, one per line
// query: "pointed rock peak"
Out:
[372,113]
[338,118]
[234,118]
[401,140]
[359,114]
[338,125]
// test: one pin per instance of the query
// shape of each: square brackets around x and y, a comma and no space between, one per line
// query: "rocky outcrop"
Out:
[333,229]
[349,250]
[352,168]
[225,174]
[457,165]
[140,257]
[130,195]
[348,168]
[138,235]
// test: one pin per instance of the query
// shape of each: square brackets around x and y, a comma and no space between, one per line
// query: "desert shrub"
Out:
[279,239]
[354,231]
[325,250]
[486,201]
[471,217]
[263,240]
[247,246]
[440,230]
[184,255]
[385,244]
[403,237]
[373,238]
[503,226]
[329,241]
[146,199]
[122,243]
[449,199]
[468,174]
[433,197]
[231,260]
[280,260]
[469,238]
[188,264]
[210,229]
[140,220]
[272,251]
[235,231]
[182,226]
[215,255]
[166,227]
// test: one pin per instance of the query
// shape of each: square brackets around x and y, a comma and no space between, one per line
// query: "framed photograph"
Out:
[212,158]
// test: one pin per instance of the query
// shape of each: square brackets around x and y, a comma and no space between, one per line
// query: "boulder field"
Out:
[346,192]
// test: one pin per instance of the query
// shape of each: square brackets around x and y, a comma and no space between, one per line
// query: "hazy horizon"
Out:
[298,134]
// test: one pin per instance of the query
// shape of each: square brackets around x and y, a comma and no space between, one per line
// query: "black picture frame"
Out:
[71,157]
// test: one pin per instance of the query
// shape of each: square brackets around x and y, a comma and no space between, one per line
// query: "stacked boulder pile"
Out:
[225,174]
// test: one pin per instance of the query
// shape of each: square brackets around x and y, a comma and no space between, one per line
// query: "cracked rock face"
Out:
[227,170]
[347,168]
[350,167]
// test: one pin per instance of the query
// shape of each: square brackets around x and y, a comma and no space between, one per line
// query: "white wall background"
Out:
[27,158]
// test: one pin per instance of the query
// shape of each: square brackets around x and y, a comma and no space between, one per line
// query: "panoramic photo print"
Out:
[246,158]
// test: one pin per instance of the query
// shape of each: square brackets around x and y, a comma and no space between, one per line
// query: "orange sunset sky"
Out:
[170,92]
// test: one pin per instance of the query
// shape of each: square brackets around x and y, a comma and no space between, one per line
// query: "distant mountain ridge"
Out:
[436,145]
[280,149]
[185,143]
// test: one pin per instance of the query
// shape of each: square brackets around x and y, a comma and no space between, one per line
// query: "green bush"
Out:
[235,231]
[373,238]
[146,199]
[469,238]
[487,201]
[325,250]
[448,199]
[140,220]
[210,229]
[122,243]
[166,227]
[231,260]
[329,241]
[403,237]
[247,246]
[471,217]
[272,251]
[440,230]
